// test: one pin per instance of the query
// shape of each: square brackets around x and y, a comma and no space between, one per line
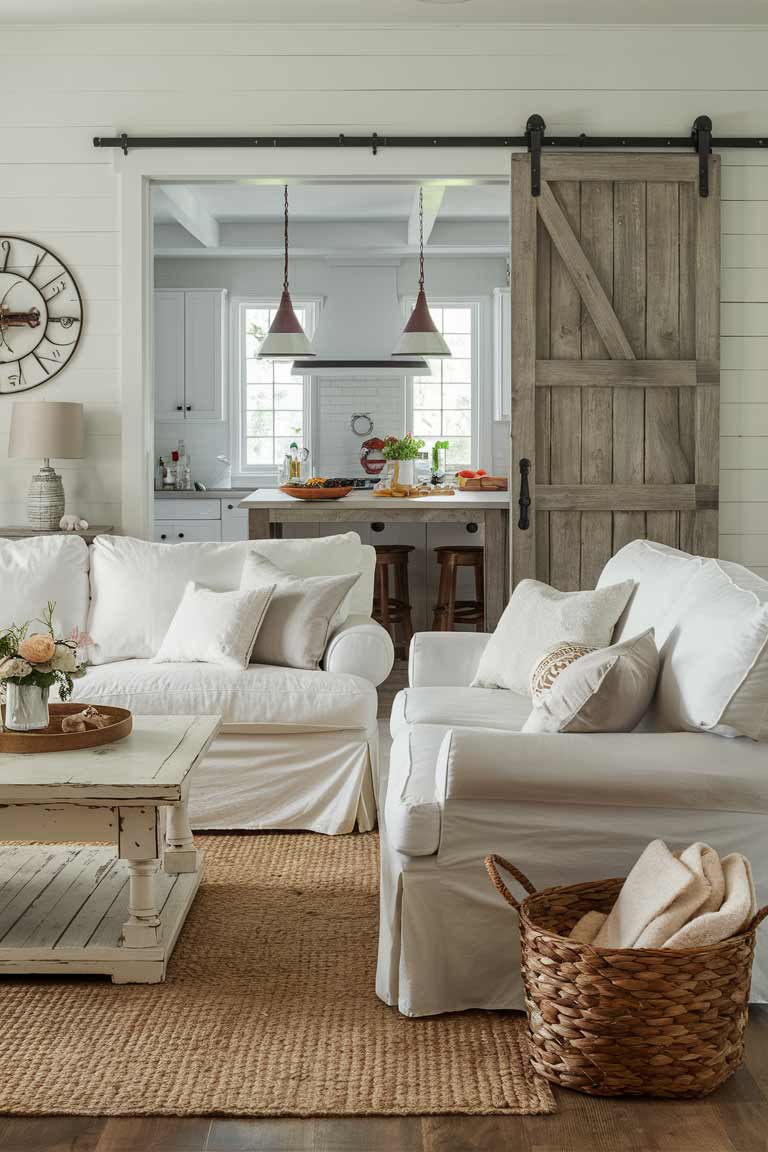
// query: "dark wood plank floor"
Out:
[735,1119]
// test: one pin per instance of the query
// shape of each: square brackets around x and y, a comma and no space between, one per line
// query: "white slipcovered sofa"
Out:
[464,782]
[298,748]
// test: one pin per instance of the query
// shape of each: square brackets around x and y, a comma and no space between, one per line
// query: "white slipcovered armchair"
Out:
[464,782]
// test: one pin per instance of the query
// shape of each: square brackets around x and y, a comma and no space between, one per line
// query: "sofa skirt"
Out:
[313,781]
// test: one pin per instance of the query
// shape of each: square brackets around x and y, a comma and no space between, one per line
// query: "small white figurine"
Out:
[72,524]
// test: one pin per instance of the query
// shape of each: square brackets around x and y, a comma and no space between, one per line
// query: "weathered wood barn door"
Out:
[615,359]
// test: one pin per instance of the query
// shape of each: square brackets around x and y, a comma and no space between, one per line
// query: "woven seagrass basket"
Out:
[626,1021]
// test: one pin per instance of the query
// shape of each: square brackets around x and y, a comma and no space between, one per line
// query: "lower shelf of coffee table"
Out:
[62,910]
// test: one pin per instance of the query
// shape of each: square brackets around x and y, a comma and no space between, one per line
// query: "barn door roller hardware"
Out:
[534,140]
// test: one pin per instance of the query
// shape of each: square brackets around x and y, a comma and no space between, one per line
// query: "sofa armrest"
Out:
[360,646]
[688,770]
[445,659]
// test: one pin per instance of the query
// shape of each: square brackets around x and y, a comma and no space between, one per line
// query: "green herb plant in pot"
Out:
[403,454]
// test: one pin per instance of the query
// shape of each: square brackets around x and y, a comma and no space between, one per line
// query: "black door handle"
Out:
[524,499]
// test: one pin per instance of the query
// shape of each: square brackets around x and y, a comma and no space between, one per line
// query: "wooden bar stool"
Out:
[393,610]
[449,611]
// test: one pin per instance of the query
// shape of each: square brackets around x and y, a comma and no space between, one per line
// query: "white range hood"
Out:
[359,325]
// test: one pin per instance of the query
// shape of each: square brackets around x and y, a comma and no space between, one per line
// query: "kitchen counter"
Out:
[269,508]
[192,494]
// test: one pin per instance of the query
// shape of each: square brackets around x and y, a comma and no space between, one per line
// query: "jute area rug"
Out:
[268,1010]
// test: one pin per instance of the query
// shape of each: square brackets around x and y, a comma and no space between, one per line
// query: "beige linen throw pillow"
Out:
[608,690]
[295,631]
[539,617]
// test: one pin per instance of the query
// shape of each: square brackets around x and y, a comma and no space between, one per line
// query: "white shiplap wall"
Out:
[61,86]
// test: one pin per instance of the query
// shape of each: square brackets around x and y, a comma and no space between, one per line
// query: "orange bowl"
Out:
[315,493]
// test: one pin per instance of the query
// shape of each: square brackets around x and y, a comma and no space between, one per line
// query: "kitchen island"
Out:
[269,508]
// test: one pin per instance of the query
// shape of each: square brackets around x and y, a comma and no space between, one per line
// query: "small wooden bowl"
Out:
[52,739]
[315,493]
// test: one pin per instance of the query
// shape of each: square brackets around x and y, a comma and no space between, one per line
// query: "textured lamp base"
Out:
[45,503]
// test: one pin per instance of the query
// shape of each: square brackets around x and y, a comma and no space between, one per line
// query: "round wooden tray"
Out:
[52,739]
[315,493]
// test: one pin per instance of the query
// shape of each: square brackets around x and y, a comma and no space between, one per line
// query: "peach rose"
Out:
[37,649]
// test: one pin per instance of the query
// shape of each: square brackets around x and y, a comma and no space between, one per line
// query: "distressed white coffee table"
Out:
[73,908]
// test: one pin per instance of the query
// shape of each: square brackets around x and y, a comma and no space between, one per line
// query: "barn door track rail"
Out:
[534,140]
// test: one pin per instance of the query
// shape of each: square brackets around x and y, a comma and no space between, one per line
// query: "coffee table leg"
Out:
[140,844]
[180,852]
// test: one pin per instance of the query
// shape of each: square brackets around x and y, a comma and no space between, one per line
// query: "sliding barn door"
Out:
[615,360]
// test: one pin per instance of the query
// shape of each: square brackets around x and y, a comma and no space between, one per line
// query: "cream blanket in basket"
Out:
[688,900]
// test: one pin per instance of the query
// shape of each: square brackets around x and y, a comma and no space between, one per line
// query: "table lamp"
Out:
[51,430]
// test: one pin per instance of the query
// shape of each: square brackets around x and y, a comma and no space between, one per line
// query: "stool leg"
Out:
[450,608]
[439,614]
[480,592]
[403,595]
[382,574]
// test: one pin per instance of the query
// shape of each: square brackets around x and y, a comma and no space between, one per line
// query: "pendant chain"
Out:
[421,239]
[285,265]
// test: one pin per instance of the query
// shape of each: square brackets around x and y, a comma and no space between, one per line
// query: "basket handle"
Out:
[757,919]
[492,868]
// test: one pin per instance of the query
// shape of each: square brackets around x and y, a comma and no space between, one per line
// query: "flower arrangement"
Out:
[41,659]
[405,449]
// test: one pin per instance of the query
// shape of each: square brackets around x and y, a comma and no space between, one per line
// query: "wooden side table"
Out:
[24,532]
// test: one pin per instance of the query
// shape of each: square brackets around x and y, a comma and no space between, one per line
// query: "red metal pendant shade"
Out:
[286,339]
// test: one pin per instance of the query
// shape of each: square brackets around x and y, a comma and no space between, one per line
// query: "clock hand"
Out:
[10,319]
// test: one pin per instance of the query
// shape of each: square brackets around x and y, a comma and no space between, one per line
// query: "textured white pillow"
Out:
[298,623]
[604,691]
[214,627]
[662,575]
[539,617]
[714,663]
[335,555]
[136,587]
[40,569]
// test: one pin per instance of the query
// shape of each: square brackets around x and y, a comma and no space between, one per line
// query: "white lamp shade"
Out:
[47,429]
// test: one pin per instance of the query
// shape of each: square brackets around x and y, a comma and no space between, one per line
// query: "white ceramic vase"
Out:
[26,707]
[405,473]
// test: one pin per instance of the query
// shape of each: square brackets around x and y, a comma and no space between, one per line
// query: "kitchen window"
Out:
[271,406]
[446,404]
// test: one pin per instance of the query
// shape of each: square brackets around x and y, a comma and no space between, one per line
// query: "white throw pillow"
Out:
[539,617]
[214,627]
[300,615]
[714,663]
[662,575]
[136,587]
[327,556]
[40,569]
[604,691]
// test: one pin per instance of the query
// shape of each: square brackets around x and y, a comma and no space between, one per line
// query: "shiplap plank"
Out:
[747,549]
[746,387]
[745,217]
[744,285]
[745,251]
[744,484]
[743,518]
[744,419]
[744,451]
[744,352]
[22,214]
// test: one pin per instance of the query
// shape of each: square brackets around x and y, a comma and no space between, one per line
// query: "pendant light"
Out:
[420,336]
[286,339]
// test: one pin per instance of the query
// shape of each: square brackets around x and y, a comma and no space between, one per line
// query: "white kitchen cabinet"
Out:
[169,355]
[502,353]
[189,355]
[234,520]
[178,531]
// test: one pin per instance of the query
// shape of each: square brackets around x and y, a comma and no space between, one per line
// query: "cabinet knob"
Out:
[189,407]
[181,535]
[472,527]
[179,407]
[377,526]
[230,506]
[162,536]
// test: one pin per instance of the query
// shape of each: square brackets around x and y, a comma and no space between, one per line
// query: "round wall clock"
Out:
[41,314]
